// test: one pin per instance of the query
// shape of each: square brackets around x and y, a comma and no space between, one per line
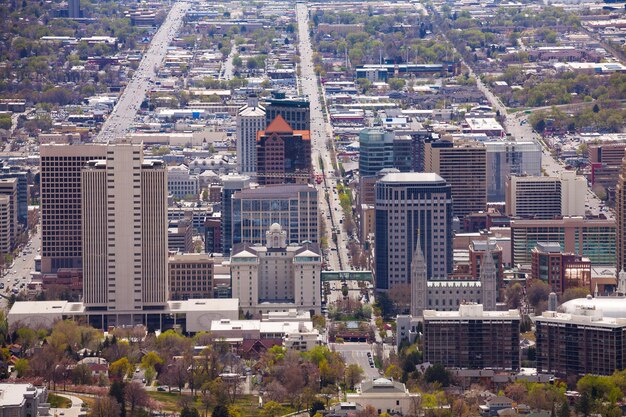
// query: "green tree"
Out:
[438,373]
[353,375]
[396,84]
[21,367]
[271,409]
[190,411]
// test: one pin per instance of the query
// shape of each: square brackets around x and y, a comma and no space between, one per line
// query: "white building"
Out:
[124,209]
[23,400]
[276,277]
[250,119]
[386,396]
[180,183]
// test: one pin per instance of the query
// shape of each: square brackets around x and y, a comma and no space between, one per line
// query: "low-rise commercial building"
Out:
[386,396]
[190,276]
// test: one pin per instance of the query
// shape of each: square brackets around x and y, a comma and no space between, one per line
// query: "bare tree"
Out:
[105,406]
[136,396]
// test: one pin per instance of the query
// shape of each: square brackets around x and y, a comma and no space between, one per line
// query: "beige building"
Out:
[124,234]
[463,164]
[277,276]
[386,396]
[5,224]
[61,213]
[8,188]
[620,219]
[190,276]
[546,197]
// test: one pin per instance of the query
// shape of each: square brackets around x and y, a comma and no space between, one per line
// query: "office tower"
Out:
[283,154]
[620,218]
[293,206]
[213,235]
[592,238]
[295,112]
[375,151]
[73,9]
[533,197]
[180,236]
[250,120]
[505,158]
[472,338]
[411,206]
[463,164]
[8,187]
[181,184]
[546,197]
[579,343]
[5,225]
[276,276]
[403,153]
[605,160]
[124,232]
[22,191]
[61,213]
[558,269]
[190,276]
[231,184]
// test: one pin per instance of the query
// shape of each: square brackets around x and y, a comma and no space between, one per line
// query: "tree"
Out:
[316,406]
[151,360]
[21,367]
[120,368]
[438,373]
[105,406]
[219,411]
[190,411]
[135,396]
[514,294]
[564,410]
[117,392]
[353,375]
[572,293]
[271,409]
[396,84]
[538,295]
[393,371]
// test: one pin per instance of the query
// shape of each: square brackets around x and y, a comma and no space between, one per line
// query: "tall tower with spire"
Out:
[488,277]
[419,285]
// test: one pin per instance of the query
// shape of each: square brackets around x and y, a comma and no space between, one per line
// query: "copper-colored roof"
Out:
[279,125]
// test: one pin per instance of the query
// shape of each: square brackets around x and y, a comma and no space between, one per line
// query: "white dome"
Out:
[610,306]
[275,228]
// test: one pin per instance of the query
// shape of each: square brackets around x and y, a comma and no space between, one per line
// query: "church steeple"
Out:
[419,284]
[488,276]
[621,283]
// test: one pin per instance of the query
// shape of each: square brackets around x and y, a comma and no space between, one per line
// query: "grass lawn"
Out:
[246,404]
[56,401]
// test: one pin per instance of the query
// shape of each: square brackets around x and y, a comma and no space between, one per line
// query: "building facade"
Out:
[592,238]
[294,207]
[231,184]
[506,158]
[61,203]
[250,120]
[560,270]
[376,151]
[463,164]
[472,338]
[190,276]
[22,191]
[620,218]
[124,234]
[295,112]
[180,183]
[23,400]
[283,154]
[411,206]
[276,276]
[8,188]
[580,343]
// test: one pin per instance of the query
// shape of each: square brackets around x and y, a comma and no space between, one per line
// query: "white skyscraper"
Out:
[124,232]
[250,119]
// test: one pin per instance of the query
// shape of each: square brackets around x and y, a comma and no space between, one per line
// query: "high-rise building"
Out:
[124,234]
[22,191]
[250,120]
[180,236]
[296,112]
[505,158]
[558,269]
[293,206]
[61,203]
[411,206]
[375,151]
[213,235]
[472,338]
[463,164]
[276,276]
[620,218]
[190,276]
[73,9]
[283,154]
[231,184]
[8,187]
[538,197]
[5,225]
[592,238]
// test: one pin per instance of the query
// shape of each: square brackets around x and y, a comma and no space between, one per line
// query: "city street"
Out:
[321,132]
[123,115]
[18,275]
[357,353]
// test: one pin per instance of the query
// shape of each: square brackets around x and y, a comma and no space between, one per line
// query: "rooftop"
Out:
[413,178]
[471,311]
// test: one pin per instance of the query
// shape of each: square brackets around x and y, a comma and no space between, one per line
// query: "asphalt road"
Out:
[123,115]
[356,353]
[321,134]
[19,274]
